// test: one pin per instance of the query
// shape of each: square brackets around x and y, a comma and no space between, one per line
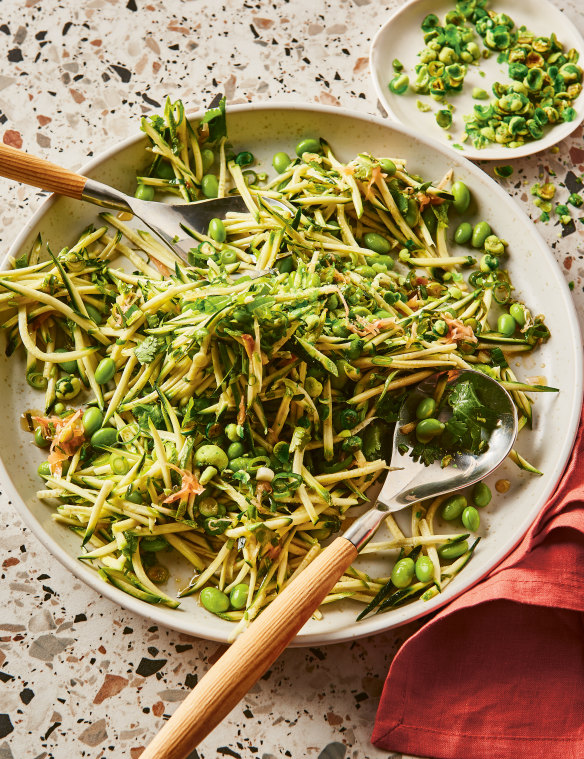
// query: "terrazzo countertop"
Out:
[79,676]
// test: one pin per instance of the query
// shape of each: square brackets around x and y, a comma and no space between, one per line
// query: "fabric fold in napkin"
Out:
[499,673]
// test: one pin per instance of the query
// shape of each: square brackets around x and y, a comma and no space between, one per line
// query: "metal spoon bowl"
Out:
[414,481]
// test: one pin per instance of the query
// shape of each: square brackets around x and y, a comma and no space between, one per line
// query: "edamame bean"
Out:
[235,450]
[92,420]
[105,370]
[67,366]
[59,408]
[106,436]
[517,311]
[208,158]
[453,507]
[453,550]
[428,428]
[214,600]
[424,568]
[471,519]
[463,233]
[481,495]
[210,186]
[216,230]
[164,170]
[425,408]
[238,596]
[281,161]
[44,469]
[377,243]
[411,217]
[232,433]
[388,166]
[402,573]
[480,233]
[309,145]
[461,194]
[506,325]
[39,438]
[211,455]
[144,192]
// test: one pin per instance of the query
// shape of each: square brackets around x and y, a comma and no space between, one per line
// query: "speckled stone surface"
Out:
[80,677]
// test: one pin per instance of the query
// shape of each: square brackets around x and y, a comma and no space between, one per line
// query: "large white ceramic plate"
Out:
[265,129]
[401,37]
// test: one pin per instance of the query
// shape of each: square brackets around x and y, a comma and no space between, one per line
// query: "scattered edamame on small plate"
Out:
[409,99]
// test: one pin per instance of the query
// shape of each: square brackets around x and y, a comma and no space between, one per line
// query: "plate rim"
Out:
[472,153]
[373,625]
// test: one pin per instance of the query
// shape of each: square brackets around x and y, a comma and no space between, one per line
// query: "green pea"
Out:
[309,145]
[281,161]
[239,463]
[480,233]
[235,450]
[211,455]
[214,600]
[481,495]
[106,436]
[517,311]
[428,428]
[67,366]
[424,568]
[506,325]
[105,370]
[411,217]
[453,550]
[463,233]
[426,407]
[134,496]
[94,314]
[39,438]
[238,596]
[461,194]
[403,573]
[232,433]
[471,519]
[210,186]
[144,192]
[92,420]
[59,408]
[377,243]
[44,469]
[388,166]
[208,159]
[453,507]
[217,230]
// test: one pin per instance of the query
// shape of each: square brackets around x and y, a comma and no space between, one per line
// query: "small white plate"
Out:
[265,129]
[401,37]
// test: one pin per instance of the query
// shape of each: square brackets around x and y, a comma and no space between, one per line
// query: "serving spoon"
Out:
[168,221]
[259,646]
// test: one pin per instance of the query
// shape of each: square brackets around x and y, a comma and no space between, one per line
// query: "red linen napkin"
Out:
[499,673]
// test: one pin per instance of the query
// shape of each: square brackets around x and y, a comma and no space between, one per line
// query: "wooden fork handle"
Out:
[249,657]
[27,168]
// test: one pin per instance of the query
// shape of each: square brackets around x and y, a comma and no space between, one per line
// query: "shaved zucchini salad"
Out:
[233,411]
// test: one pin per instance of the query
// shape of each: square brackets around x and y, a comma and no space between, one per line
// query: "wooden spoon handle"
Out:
[250,656]
[26,168]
